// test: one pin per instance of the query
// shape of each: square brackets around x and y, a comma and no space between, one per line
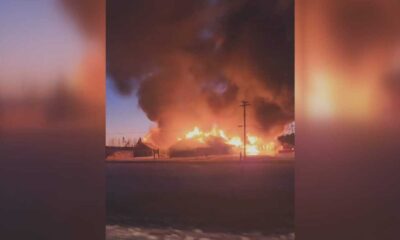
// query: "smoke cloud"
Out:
[192,62]
[89,14]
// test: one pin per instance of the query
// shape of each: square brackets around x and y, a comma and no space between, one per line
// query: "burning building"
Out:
[216,142]
[193,148]
[191,62]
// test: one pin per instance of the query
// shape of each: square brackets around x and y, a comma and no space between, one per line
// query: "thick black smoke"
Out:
[196,60]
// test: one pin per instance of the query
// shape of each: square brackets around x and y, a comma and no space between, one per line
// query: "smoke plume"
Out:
[192,62]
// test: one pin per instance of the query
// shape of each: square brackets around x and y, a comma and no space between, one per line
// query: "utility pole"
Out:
[244,105]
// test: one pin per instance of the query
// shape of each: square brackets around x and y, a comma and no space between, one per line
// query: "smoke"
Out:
[88,14]
[88,88]
[192,62]
[347,56]
[358,27]
[367,38]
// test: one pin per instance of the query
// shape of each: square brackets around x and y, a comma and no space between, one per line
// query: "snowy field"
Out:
[115,232]
[225,199]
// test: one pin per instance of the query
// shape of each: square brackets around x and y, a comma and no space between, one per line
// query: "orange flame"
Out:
[255,145]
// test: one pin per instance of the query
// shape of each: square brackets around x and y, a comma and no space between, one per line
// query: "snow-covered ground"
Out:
[219,197]
[115,232]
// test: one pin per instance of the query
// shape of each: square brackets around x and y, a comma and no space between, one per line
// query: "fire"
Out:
[194,133]
[252,150]
[255,145]
[235,141]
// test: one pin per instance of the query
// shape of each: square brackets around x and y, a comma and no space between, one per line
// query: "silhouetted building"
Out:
[143,150]
[190,148]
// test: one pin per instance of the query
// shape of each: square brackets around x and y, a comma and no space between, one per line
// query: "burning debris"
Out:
[216,142]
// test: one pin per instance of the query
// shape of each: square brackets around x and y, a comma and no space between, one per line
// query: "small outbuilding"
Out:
[142,149]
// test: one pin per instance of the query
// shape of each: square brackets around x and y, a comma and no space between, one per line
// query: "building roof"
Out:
[140,145]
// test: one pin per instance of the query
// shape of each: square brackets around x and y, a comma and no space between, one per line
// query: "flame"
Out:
[194,133]
[252,139]
[252,150]
[255,145]
[235,141]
